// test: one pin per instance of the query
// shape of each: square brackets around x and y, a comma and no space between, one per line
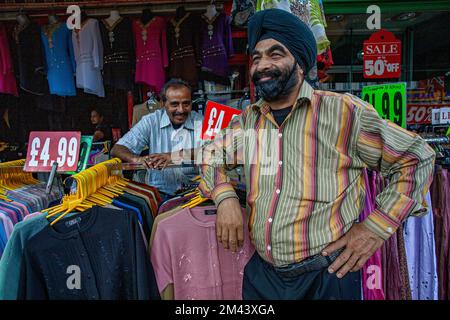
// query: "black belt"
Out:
[313,263]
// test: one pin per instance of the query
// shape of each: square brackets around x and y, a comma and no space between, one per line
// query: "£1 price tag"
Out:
[217,117]
[46,148]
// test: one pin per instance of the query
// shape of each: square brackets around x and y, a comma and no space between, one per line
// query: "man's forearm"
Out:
[124,154]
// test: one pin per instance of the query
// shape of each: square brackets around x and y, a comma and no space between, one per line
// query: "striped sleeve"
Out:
[401,156]
[218,156]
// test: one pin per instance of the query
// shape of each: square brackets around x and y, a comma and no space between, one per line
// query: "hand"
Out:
[230,225]
[360,244]
[145,160]
[160,160]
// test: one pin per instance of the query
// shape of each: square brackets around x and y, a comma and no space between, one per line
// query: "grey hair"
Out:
[173,83]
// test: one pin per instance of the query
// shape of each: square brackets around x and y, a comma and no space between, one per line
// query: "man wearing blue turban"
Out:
[303,214]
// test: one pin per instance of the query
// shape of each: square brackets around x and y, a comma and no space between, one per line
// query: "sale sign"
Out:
[389,100]
[46,148]
[217,117]
[421,113]
[382,56]
[441,116]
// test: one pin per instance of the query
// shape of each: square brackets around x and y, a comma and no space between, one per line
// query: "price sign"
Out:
[85,148]
[421,113]
[217,117]
[389,100]
[382,55]
[46,148]
[441,116]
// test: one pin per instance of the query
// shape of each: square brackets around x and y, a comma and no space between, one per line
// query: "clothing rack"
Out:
[8,11]
[212,93]
[438,140]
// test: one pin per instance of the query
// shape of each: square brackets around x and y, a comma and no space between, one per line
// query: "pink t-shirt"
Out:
[185,252]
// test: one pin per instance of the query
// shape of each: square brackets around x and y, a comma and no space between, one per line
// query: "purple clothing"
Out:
[185,253]
[420,252]
[7,224]
[216,44]
[372,274]
[440,195]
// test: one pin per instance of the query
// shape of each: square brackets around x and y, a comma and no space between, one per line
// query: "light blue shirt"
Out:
[156,131]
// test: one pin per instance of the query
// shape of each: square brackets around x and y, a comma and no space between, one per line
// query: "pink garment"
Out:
[7,224]
[151,52]
[8,82]
[185,252]
[371,276]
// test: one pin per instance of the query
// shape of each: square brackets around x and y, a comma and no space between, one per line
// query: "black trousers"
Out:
[263,282]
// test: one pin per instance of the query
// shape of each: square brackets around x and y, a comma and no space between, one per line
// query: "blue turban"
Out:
[287,29]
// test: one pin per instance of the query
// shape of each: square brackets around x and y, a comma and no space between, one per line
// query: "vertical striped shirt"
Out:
[305,187]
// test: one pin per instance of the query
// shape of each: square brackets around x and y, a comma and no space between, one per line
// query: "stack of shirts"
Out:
[22,202]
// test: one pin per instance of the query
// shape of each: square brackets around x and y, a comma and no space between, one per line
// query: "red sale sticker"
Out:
[382,55]
[46,148]
[421,113]
[217,117]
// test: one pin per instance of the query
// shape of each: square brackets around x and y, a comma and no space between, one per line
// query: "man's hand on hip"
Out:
[360,244]
[230,225]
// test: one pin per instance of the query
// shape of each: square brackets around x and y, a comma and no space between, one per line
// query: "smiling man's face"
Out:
[178,104]
[274,70]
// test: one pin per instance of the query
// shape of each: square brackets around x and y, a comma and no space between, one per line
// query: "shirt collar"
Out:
[165,121]
[306,91]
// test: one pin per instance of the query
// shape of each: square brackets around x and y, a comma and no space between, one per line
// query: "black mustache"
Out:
[271,73]
[180,114]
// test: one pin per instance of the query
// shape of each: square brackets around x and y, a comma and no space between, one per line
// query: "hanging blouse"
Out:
[29,58]
[7,79]
[216,44]
[58,48]
[118,48]
[151,52]
[184,48]
[88,48]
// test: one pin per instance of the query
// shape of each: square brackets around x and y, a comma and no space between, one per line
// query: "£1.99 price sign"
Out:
[217,117]
[46,148]
[389,100]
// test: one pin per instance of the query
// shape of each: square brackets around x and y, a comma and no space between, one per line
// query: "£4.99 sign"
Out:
[217,117]
[46,148]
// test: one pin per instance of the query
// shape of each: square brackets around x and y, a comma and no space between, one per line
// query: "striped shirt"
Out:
[305,187]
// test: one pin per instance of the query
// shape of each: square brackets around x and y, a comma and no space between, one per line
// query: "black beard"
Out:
[281,84]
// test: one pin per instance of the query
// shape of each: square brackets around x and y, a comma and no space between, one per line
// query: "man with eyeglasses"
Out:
[170,133]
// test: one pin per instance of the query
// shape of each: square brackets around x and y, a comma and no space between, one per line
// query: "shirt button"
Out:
[278,191]
[280,163]
[269,248]
[214,265]
[82,254]
[389,229]
[270,220]
[280,135]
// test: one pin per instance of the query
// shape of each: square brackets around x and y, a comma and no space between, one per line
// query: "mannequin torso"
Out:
[52,19]
[211,11]
[114,16]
